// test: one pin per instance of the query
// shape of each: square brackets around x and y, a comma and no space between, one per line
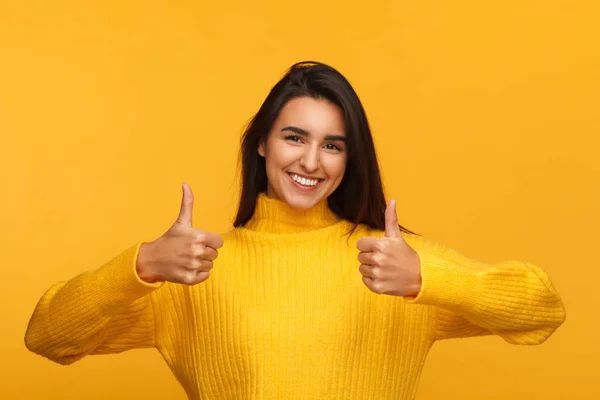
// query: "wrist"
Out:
[418,279]
[143,264]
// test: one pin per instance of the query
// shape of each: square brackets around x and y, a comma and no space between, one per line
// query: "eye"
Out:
[331,146]
[293,138]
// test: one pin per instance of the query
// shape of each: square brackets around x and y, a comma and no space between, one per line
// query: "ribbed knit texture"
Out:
[285,314]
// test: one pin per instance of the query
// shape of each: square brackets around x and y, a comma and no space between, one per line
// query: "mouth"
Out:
[305,183]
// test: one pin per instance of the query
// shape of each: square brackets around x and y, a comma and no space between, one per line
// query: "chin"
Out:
[300,202]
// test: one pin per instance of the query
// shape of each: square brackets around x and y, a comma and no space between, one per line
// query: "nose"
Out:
[310,159]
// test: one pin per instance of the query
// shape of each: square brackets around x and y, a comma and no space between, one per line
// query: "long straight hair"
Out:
[360,197]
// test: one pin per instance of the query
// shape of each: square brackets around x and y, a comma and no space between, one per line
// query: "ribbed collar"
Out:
[276,216]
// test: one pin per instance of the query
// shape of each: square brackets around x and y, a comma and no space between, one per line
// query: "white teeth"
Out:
[304,181]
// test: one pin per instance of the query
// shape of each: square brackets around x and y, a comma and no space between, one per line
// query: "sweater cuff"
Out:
[120,278]
[446,284]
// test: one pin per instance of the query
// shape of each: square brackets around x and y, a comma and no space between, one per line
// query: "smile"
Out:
[303,182]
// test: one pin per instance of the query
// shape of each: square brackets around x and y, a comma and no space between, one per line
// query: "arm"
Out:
[512,299]
[107,310]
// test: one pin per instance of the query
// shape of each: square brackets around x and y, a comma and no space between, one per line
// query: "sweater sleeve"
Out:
[107,310]
[513,299]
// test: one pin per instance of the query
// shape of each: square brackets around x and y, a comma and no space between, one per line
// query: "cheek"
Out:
[281,155]
[335,166]
[278,157]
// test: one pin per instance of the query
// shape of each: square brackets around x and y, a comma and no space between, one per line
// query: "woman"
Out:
[317,293]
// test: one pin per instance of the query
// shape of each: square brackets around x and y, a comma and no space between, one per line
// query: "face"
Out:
[305,152]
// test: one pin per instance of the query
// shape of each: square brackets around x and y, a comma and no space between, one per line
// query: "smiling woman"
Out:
[317,293]
[308,165]
[326,137]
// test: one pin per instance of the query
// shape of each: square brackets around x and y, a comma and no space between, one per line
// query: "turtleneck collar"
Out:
[276,216]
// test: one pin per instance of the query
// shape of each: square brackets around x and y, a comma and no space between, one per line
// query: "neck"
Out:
[275,216]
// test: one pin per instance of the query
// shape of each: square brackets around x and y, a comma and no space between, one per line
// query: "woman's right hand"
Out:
[183,254]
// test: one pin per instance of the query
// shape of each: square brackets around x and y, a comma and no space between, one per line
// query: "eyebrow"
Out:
[303,132]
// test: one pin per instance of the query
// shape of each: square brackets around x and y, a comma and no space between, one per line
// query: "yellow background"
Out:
[485,116]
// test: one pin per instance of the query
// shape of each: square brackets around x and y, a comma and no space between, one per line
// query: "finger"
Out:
[199,265]
[187,204]
[213,240]
[369,283]
[367,270]
[391,220]
[367,243]
[206,265]
[208,239]
[203,252]
[191,276]
[188,277]
[367,257]
[201,276]
[375,285]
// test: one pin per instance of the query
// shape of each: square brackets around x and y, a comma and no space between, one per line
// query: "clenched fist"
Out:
[183,254]
[389,265]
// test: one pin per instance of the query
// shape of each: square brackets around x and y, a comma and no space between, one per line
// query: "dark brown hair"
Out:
[359,197]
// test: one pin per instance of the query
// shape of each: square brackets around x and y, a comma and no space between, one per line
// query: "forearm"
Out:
[75,317]
[513,299]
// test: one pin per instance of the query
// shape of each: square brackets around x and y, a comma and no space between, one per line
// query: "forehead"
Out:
[317,116]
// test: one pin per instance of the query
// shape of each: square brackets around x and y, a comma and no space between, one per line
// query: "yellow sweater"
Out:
[285,314]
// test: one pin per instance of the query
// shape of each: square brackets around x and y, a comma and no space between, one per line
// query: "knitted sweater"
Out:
[285,314]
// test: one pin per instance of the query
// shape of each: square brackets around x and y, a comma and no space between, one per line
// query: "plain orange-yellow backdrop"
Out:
[485,116]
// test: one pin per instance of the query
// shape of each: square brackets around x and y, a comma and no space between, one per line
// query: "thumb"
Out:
[391,220]
[187,204]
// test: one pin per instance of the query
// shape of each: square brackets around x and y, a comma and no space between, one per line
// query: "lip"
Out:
[304,188]
[305,176]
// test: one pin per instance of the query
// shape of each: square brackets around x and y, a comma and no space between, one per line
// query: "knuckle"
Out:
[190,249]
[193,265]
[377,258]
[377,287]
[382,260]
[189,278]
[382,246]
[198,250]
[376,272]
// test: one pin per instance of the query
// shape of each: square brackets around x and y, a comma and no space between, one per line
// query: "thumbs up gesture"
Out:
[389,265]
[183,254]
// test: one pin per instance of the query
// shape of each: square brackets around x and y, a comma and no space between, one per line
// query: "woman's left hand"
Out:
[389,265]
